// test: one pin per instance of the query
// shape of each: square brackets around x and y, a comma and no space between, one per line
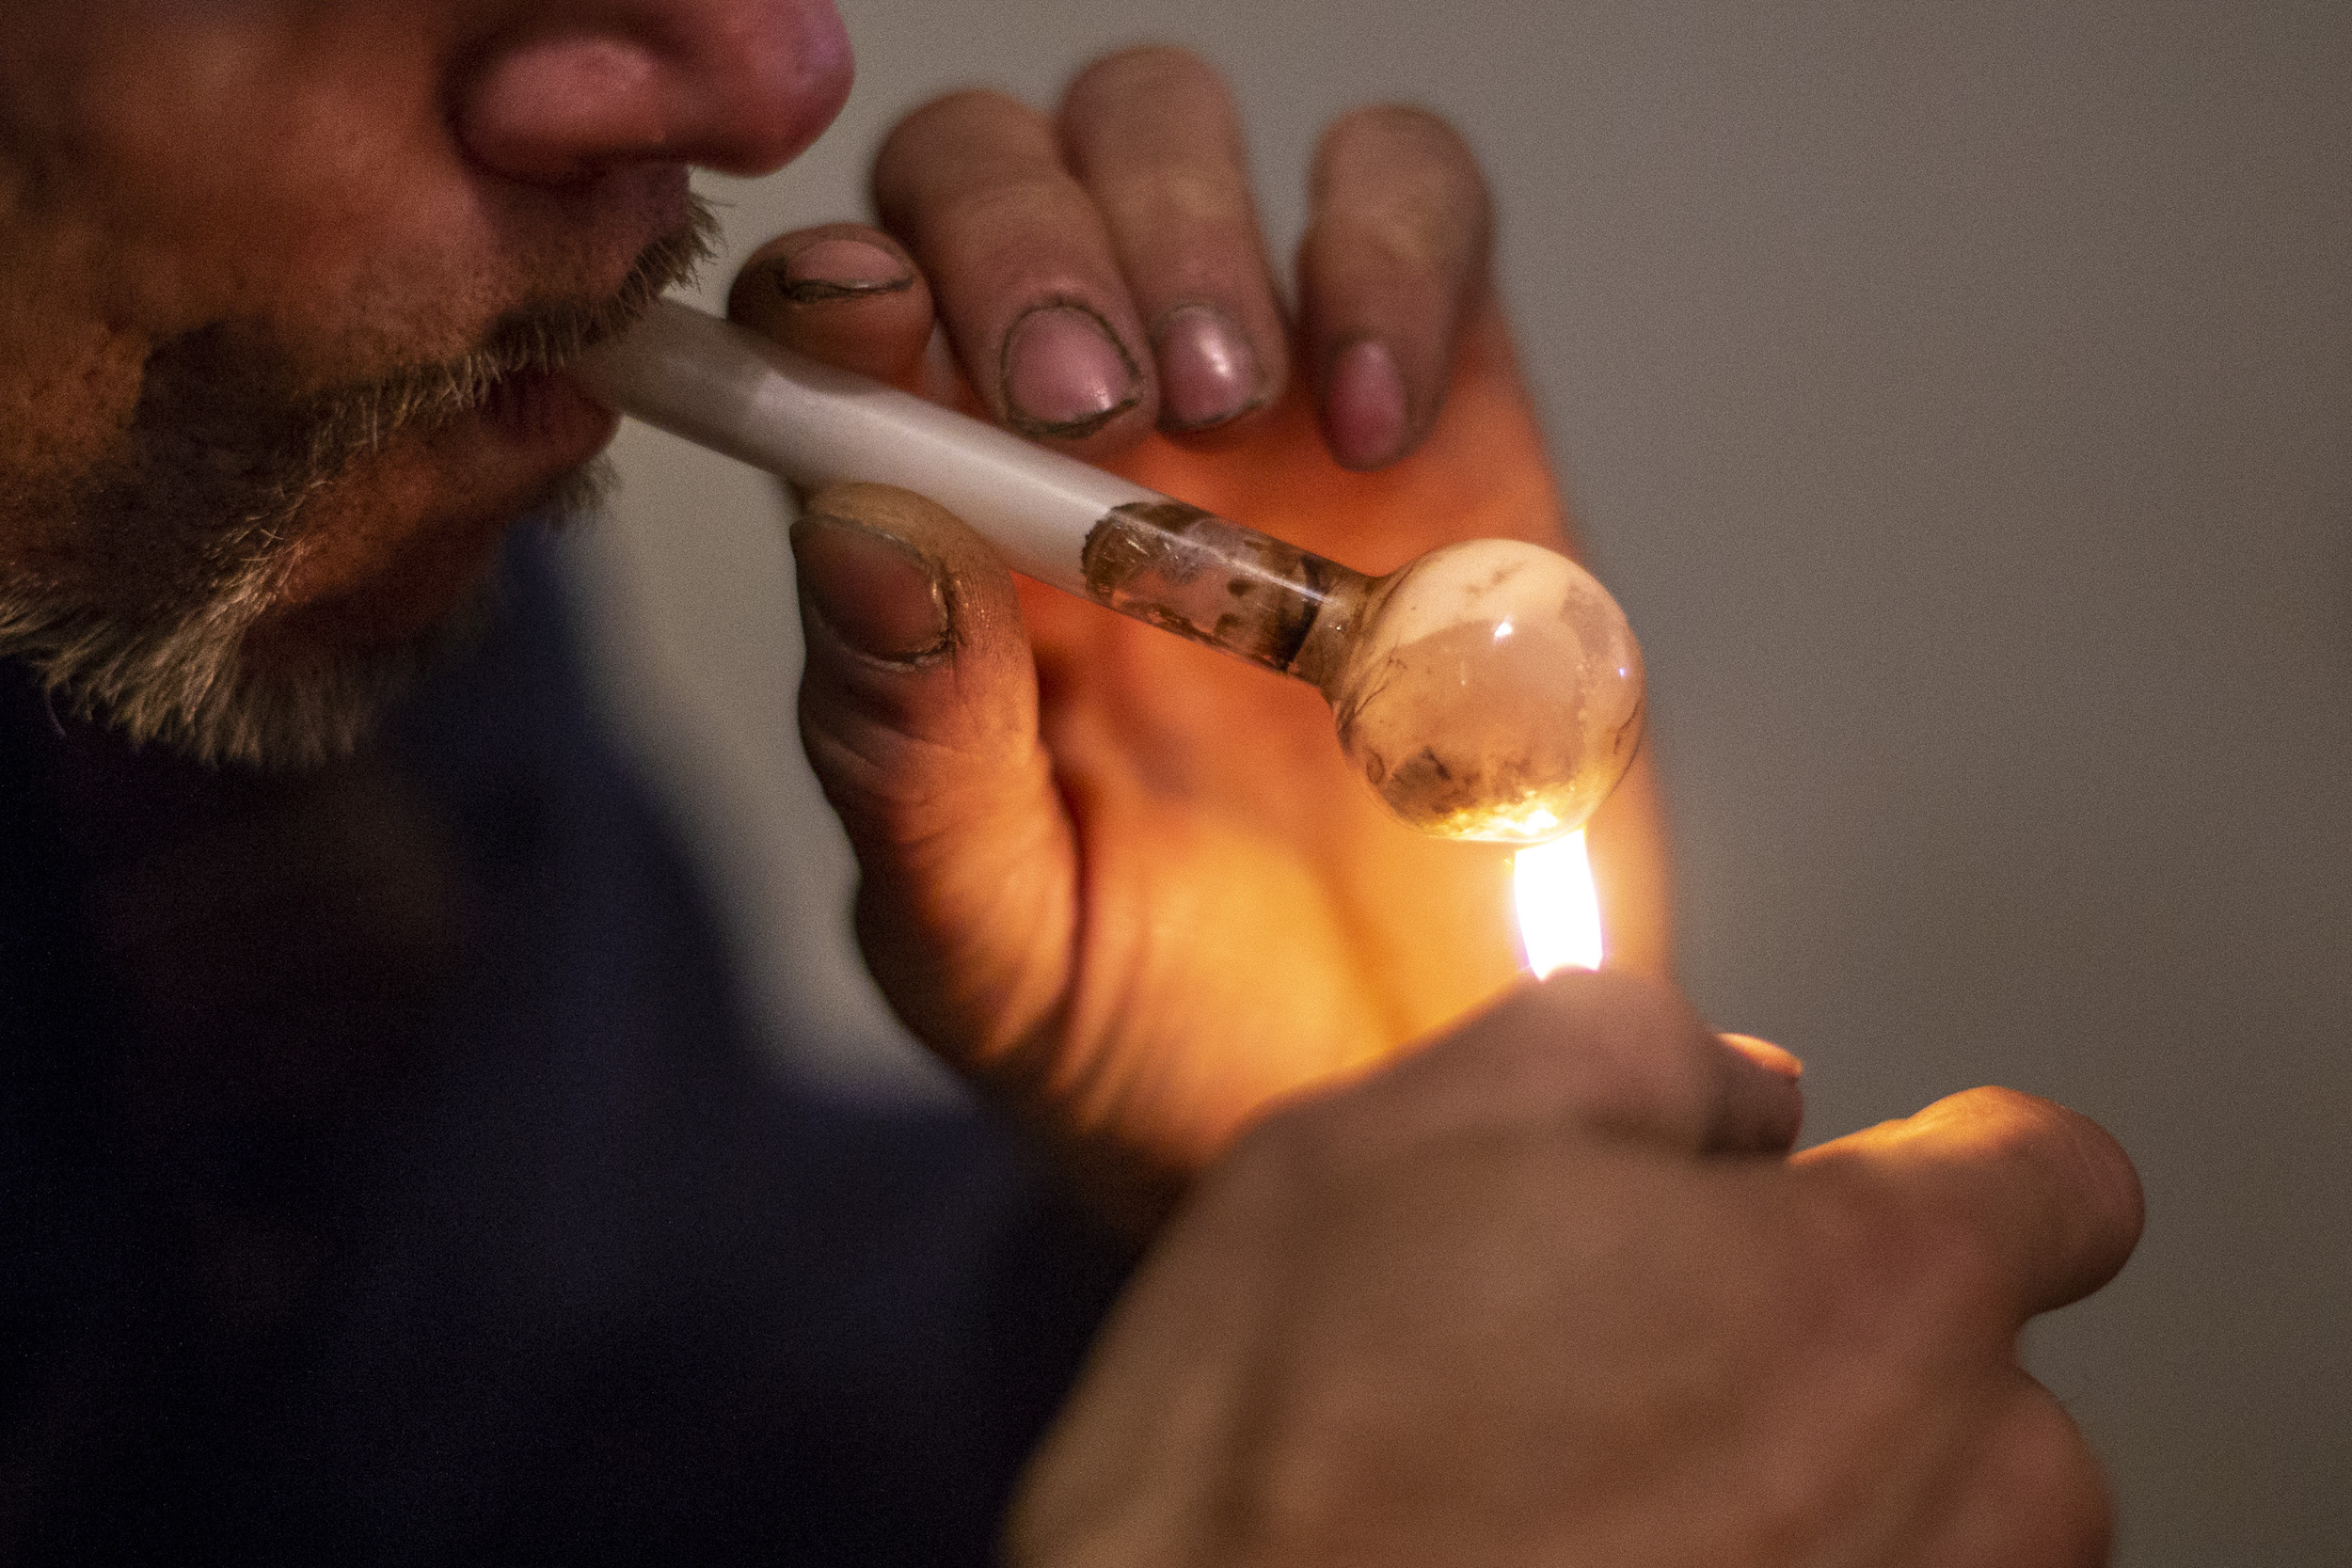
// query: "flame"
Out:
[1559,908]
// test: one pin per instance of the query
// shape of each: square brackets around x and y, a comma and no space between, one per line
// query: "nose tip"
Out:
[737,86]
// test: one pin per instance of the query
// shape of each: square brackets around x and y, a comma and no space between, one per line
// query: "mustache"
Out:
[349,421]
[181,533]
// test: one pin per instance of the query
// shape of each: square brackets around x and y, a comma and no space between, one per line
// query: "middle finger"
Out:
[1023,267]
[1154,135]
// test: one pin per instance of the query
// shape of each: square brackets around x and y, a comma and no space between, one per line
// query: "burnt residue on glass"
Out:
[1488,689]
[1512,796]
[1494,694]
[1201,577]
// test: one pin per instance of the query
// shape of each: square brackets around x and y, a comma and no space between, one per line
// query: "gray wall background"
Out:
[1960,397]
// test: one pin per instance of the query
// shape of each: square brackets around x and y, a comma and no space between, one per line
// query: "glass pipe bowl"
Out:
[1491,690]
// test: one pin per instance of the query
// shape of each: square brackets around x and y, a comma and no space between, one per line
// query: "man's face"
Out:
[281,281]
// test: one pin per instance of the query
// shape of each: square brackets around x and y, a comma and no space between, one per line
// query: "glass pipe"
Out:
[1488,689]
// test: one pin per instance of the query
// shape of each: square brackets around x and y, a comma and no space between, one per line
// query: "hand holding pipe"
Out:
[1488,689]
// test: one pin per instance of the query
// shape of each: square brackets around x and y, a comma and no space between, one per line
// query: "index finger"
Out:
[2042,1200]
[1023,270]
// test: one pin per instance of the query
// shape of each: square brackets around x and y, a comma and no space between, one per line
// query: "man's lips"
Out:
[406,532]
[540,413]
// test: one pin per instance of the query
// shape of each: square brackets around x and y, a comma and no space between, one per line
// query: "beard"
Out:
[184,534]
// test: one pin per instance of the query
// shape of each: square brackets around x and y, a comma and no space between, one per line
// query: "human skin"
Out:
[403,177]
[1127,885]
[1544,1290]
[340,193]
[1128,889]
[1540,1296]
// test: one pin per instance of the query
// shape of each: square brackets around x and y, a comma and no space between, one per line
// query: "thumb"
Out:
[918,709]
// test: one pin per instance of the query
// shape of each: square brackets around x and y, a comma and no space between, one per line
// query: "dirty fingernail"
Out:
[1208,373]
[1764,1054]
[1364,406]
[876,596]
[840,268]
[1064,373]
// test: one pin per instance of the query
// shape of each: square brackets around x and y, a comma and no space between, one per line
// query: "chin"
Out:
[407,536]
[304,686]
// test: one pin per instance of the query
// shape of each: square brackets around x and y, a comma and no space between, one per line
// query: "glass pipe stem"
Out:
[1050,516]
[726,387]
[1209,579]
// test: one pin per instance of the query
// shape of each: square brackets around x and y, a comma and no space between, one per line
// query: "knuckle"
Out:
[1149,69]
[2023,1130]
[1407,243]
[1634,1005]
[2089,1193]
[1406,126]
[1011,206]
[2084,1156]
[940,144]
[1408,240]
[2023,1119]
[1626,1086]
[1607,1050]
[1140,119]
[962,112]
[1186,194]
[873,770]
[1404,147]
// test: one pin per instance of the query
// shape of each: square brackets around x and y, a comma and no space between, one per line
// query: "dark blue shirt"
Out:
[388,1174]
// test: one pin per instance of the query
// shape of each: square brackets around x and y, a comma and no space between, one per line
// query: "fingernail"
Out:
[840,269]
[878,596]
[1364,406]
[1208,373]
[1065,373]
[1764,1054]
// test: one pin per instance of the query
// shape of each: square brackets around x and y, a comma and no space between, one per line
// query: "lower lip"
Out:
[542,413]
